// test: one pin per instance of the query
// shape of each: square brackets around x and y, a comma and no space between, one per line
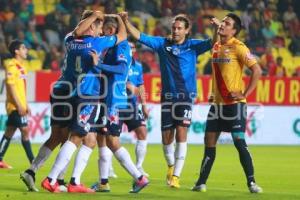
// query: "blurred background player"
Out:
[139,113]
[115,107]
[61,108]
[16,104]
[178,55]
[228,112]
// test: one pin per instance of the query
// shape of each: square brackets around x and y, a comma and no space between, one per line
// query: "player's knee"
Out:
[238,136]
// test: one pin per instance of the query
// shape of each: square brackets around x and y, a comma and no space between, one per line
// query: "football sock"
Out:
[104,162]
[81,161]
[3,146]
[245,159]
[63,158]
[169,152]
[180,153]
[40,159]
[206,165]
[27,147]
[140,152]
[123,157]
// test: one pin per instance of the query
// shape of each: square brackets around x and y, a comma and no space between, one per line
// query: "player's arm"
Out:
[216,23]
[142,95]
[122,33]
[21,110]
[255,75]
[246,58]
[86,23]
[131,29]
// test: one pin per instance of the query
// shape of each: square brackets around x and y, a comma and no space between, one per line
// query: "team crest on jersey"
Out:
[122,57]
[250,56]
[176,51]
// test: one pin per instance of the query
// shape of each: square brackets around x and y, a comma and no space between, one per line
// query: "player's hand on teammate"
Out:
[123,15]
[95,56]
[99,14]
[236,96]
[215,22]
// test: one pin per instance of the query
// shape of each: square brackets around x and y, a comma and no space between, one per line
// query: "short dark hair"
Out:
[13,46]
[237,22]
[111,21]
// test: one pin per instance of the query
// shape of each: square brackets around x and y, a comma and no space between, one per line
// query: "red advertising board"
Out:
[269,90]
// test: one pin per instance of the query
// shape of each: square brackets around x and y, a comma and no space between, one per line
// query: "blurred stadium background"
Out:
[271,30]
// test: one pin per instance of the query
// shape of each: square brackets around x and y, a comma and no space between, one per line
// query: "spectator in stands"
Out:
[267,61]
[277,70]
[24,13]
[295,45]
[288,16]
[255,37]
[267,32]
[54,59]
[34,37]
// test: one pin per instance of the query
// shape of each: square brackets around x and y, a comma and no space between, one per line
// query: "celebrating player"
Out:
[178,55]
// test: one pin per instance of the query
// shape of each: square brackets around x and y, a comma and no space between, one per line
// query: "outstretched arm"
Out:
[216,23]
[131,29]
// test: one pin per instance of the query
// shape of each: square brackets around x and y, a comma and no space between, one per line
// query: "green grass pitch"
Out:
[277,170]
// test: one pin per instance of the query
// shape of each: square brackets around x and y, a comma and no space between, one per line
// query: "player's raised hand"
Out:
[99,14]
[123,15]
[215,22]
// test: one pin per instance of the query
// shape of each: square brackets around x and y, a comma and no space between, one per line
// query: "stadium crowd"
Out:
[271,28]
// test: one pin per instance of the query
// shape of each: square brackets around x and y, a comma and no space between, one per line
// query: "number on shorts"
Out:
[187,114]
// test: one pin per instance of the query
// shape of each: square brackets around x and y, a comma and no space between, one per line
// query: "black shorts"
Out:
[227,118]
[84,118]
[175,114]
[115,122]
[134,118]
[16,120]
[61,107]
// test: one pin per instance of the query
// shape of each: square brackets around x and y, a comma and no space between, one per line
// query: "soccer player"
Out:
[178,55]
[116,107]
[139,113]
[60,100]
[228,111]
[85,105]
[16,103]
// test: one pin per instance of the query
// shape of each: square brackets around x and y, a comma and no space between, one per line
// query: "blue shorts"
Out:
[16,120]
[227,118]
[84,118]
[61,107]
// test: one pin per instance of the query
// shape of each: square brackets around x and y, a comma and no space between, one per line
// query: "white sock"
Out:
[140,152]
[81,161]
[104,162]
[61,175]
[40,159]
[63,158]
[181,149]
[123,157]
[169,152]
